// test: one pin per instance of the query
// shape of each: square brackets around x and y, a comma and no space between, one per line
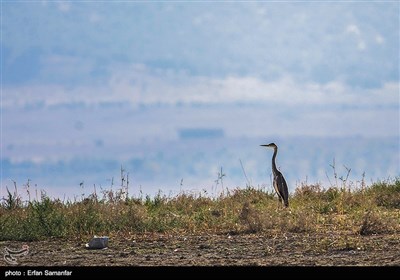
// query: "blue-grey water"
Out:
[208,165]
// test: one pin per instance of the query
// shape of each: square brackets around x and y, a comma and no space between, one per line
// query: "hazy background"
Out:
[174,91]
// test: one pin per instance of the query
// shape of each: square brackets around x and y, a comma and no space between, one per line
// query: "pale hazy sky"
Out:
[212,52]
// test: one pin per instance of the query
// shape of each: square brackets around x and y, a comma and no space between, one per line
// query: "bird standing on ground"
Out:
[279,182]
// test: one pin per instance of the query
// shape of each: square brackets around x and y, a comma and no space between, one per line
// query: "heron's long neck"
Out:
[273,159]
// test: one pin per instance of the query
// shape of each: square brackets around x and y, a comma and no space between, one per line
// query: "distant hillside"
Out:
[192,133]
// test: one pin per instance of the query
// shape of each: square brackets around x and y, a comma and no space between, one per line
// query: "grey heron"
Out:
[279,181]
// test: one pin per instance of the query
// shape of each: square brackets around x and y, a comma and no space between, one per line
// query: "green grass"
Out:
[373,209]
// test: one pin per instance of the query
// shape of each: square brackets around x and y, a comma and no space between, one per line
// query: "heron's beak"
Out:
[264,145]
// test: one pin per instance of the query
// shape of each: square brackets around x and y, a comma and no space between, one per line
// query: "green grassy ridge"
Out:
[313,209]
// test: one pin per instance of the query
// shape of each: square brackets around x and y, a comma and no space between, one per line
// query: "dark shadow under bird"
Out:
[279,181]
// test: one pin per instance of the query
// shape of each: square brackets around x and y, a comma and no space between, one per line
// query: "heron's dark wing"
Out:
[282,188]
[275,184]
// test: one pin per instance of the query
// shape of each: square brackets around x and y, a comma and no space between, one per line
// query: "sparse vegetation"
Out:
[313,209]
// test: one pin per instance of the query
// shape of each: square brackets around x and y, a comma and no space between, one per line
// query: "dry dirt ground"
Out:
[216,250]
